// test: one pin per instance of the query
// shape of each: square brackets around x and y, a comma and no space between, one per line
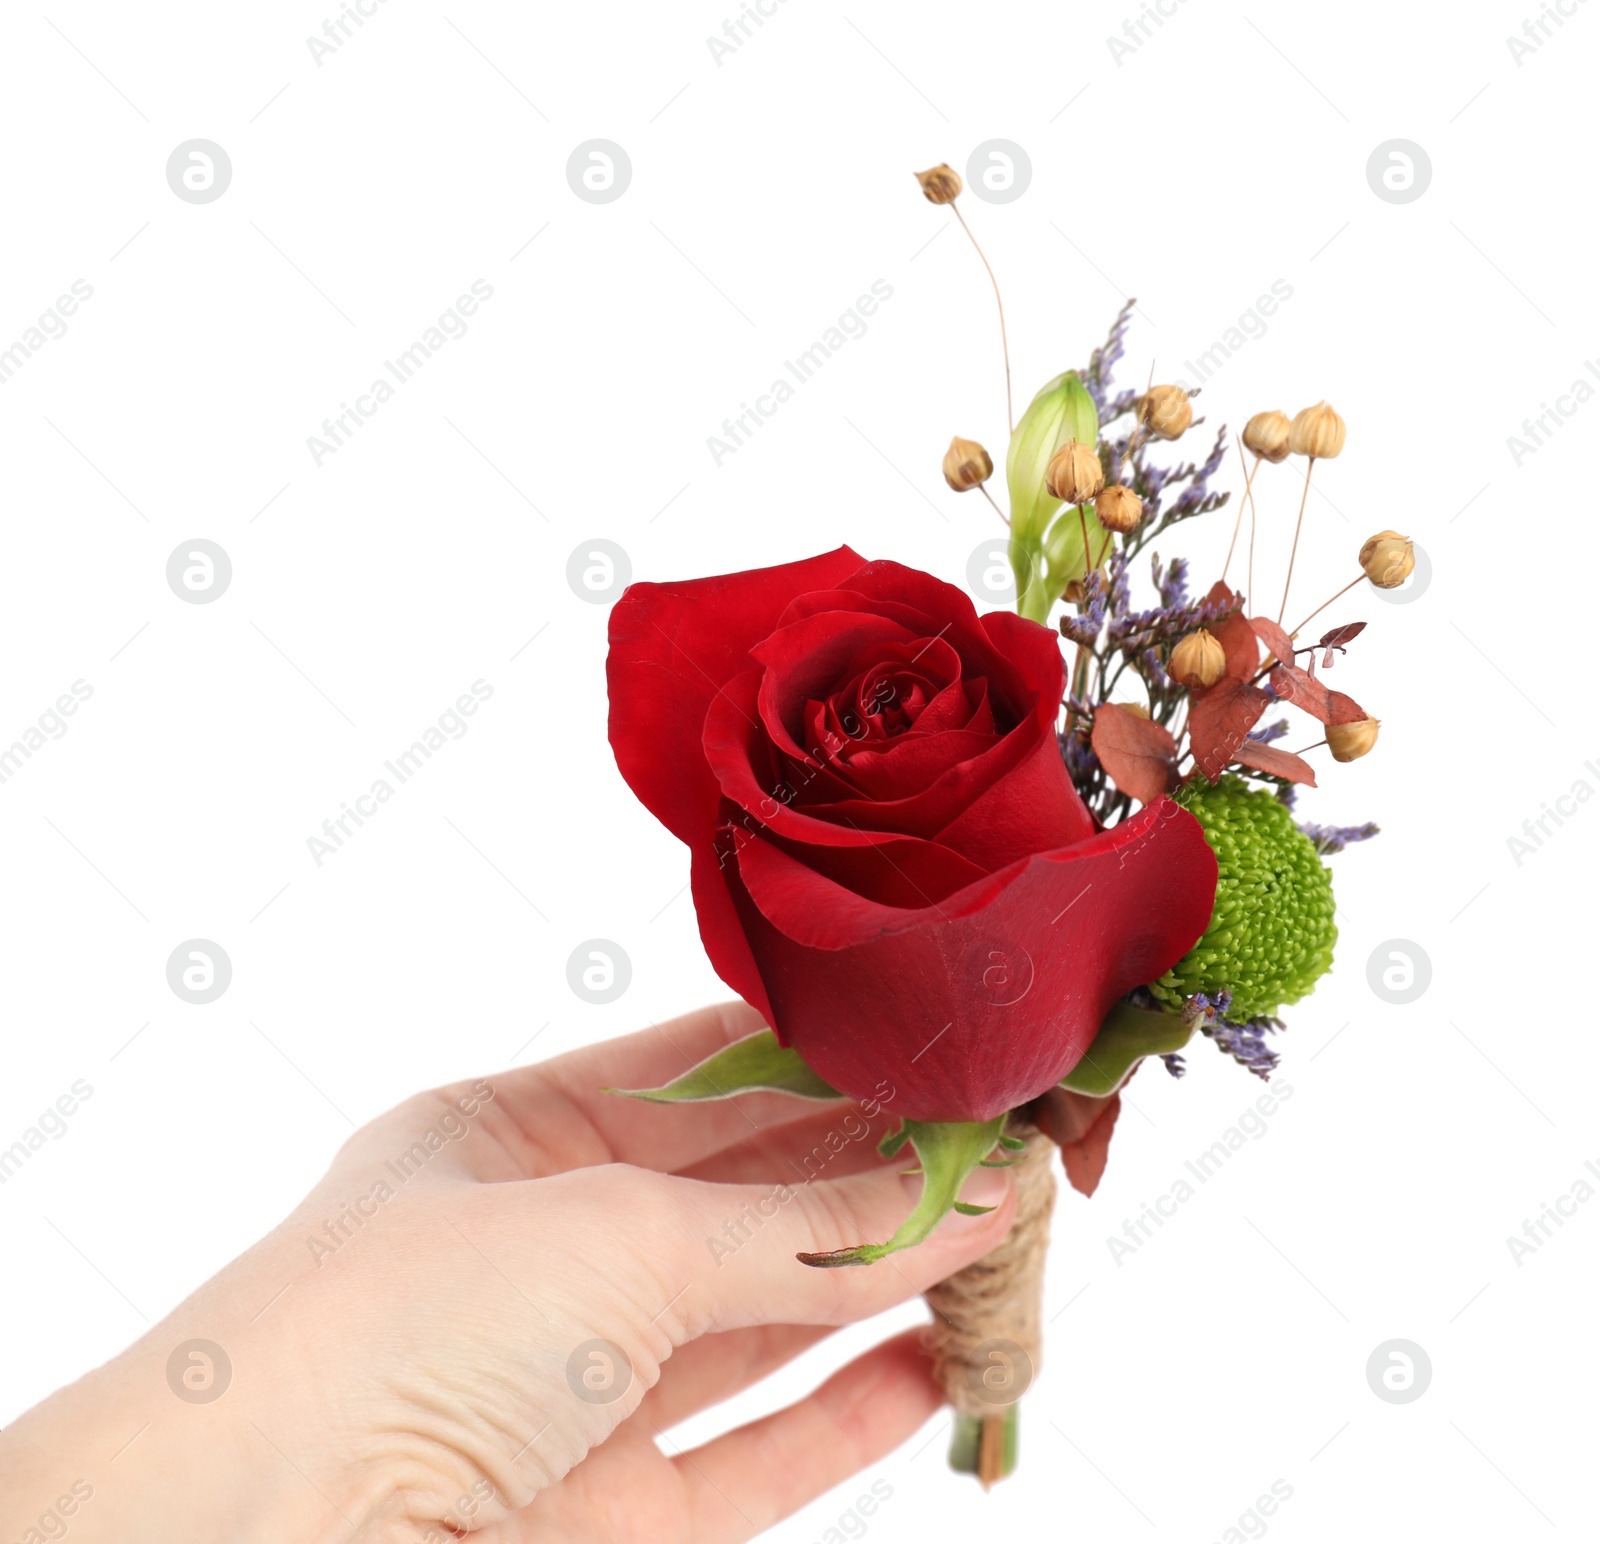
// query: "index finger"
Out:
[554,1115]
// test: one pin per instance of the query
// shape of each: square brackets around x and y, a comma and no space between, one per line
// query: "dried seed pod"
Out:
[1317,432]
[1387,559]
[1350,742]
[966,465]
[1075,473]
[1118,508]
[1197,661]
[1267,436]
[941,184]
[1165,411]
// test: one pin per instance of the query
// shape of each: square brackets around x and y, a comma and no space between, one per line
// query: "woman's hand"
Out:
[484,1317]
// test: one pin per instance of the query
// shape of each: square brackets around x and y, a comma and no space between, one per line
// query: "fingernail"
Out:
[986,1187]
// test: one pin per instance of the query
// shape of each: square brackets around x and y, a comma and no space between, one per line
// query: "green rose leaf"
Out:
[1127,1035]
[756,1064]
[950,1151]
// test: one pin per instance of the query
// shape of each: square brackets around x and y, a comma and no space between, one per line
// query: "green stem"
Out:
[966,1442]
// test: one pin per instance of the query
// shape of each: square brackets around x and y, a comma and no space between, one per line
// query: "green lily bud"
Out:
[1062,411]
[1065,555]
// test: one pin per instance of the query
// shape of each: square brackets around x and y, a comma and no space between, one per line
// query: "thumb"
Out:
[739,1244]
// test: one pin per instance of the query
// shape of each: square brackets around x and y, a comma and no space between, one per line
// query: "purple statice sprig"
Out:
[1246,1043]
[1169,493]
[1331,839]
[1097,378]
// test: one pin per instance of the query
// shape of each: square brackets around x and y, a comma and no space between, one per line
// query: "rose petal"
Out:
[673,646]
[933,998]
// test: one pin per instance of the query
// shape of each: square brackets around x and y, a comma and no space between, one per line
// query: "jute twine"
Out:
[998,1298]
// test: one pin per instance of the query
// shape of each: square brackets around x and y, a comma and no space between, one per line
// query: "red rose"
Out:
[889,859]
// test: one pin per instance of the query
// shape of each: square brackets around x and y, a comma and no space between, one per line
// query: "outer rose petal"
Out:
[673,646]
[985,1000]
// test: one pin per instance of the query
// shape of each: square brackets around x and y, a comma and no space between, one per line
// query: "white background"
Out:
[1229,150]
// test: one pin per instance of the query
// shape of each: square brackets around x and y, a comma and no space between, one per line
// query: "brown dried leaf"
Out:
[1338,637]
[1268,758]
[1234,634]
[1220,719]
[1081,1126]
[1138,754]
[1306,692]
[1273,635]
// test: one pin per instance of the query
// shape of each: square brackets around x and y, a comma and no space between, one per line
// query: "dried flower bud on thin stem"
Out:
[1074,474]
[1317,432]
[966,465]
[1387,559]
[1247,498]
[1197,661]
[940,184]
[1350,742]
[1267,435]
[1118,508]
[1164,411]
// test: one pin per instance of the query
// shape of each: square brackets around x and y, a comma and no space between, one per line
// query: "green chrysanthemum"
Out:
[1272,931]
